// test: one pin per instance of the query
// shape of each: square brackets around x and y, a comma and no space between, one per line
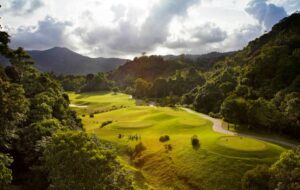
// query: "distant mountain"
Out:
[64,61]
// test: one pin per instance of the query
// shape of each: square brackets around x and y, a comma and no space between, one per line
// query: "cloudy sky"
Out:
[125,28]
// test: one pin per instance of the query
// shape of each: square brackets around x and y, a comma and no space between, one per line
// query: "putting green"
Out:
[242,143]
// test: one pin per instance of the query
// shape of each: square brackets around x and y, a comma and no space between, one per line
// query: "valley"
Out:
[150,95]
[218,163]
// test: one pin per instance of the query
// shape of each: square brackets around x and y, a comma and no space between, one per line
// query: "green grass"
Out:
[242,143]
[219,163]
[100,101]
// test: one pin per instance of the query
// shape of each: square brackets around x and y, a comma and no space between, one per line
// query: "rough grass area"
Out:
[218,163]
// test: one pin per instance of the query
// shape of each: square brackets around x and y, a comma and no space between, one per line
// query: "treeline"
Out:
[87,83]
[42,143]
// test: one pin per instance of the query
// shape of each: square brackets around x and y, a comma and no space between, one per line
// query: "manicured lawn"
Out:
[99,101]
[242,143]
[218,163]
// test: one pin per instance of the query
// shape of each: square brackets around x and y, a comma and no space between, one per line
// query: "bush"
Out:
[106,123]
[139,148]
[257,178]
[195,141]
[115,90]
[98,165]
[164,138]
[83,115]
[91,115]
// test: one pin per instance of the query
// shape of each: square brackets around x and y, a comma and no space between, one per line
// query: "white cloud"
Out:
[21,7]
[127,27]
[48,33]
[267,14]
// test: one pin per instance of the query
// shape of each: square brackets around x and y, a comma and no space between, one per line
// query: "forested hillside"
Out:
[42,139]
[255,88]
[64,61]
[259,86]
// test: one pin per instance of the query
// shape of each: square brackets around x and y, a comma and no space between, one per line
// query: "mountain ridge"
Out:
[61,60]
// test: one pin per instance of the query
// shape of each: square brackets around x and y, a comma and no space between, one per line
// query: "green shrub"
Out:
[257,178]
[164,138]
[195,141]
[138,149]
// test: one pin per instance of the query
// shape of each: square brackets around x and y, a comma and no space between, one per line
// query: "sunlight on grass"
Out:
[242,143]
[218,163]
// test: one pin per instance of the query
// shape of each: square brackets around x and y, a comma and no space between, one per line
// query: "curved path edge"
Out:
[217,127]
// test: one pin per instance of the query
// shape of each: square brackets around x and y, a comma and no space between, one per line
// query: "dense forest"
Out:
[41,139]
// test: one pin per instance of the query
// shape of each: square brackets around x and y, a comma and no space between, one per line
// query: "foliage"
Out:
[97,82]
[195,141]
[33,107]
[286,171]
[14,109]
[141,87]
[115,90]
[76,161]
[235,110]
[282,175]
[5,172]
[164,138]
[257,178]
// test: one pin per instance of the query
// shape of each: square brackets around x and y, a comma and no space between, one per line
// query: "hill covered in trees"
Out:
[64,61]
[256,88]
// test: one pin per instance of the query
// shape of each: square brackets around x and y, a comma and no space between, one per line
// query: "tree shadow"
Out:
[196,147]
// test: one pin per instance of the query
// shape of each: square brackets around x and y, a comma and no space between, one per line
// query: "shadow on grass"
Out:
[196,147]
[88,94]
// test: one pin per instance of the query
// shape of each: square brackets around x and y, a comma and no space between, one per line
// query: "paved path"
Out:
[217,127]
[77,106]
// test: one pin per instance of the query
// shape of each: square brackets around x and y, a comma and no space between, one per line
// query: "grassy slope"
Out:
[218,164]
[99,101]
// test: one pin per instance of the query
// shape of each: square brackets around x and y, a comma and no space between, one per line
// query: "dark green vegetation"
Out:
[88,83]
[42,143]
[282,175]
[64,61]
[258,87]
[76,161]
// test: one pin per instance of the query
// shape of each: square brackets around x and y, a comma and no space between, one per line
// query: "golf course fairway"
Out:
[218,162]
